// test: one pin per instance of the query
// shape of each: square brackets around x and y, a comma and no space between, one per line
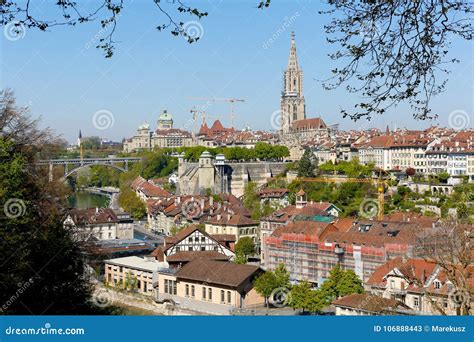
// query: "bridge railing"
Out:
[87,160]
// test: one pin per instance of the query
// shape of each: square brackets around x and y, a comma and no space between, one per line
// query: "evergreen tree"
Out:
[306,165]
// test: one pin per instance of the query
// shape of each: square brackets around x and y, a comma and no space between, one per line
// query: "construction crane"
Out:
[380,188]
[215,99]
[196,112]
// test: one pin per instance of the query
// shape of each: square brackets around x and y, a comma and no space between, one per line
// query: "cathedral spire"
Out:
[292,59]
[292,99]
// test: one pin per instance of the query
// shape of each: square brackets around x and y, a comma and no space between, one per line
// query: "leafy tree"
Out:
[340,283]
[462,211]
[245,247]
[131,203]
[265,284]
[443,177]
[304,298]
[349,283]
[269,281]
[282,276]
[90,143]
[240,258]
[40,258]
[156,164]
[251,200]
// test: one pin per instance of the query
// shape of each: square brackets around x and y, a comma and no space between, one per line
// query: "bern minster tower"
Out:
[292,99]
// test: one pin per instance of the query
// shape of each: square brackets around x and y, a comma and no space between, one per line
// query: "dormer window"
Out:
[437,284]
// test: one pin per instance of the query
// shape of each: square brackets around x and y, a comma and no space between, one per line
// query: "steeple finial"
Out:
[292,59]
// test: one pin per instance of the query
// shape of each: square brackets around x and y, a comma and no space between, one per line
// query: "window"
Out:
[196,239]
[170,287]
[203,239]
[203,248]
[203,293]
[190,239]
[177,248]
[193,293]
[190,249]
[222,296]
[416,302]
[210,294]
[437,284]
[229,298]
[187,290]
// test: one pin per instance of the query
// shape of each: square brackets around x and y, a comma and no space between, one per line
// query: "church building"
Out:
[294,123]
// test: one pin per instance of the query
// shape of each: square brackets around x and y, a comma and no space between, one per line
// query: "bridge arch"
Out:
[69,173]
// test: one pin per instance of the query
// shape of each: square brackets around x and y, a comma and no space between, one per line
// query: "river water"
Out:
[84,199]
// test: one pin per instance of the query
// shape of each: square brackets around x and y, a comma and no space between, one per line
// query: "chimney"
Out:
[177,200]
[211,201]
[202,204]
[219,217]
[96,210]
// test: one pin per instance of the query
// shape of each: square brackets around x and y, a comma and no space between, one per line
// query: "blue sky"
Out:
[65,79]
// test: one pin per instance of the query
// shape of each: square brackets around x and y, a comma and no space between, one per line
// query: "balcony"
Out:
[398,292]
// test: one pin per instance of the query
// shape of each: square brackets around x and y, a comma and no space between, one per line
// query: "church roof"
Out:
[314,123]
[217,126]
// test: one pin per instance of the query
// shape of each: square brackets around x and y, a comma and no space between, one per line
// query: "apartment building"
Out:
[310,250]
[99,224]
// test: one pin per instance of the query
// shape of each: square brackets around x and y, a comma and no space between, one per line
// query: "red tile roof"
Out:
[314,123]
[88,216]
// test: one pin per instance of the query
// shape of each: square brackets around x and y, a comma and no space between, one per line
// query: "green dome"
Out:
[165,116]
